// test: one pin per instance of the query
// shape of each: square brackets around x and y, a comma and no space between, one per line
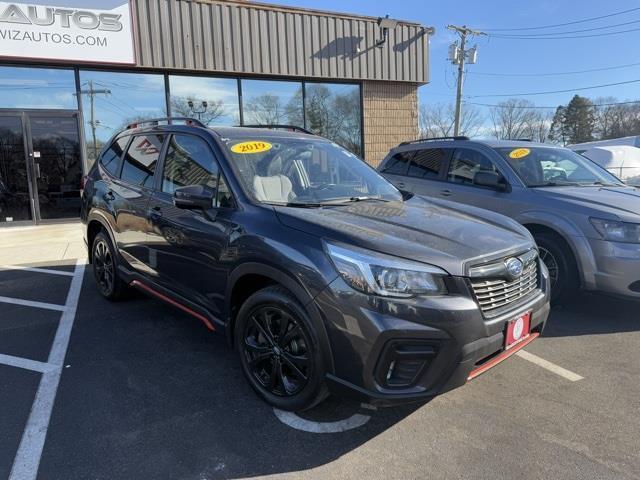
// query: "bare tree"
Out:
[516,118]
[214,110]
[438,120]
[266,109]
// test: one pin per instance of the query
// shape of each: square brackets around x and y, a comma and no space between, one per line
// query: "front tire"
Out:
[560,262]
[279,351]
[105,268]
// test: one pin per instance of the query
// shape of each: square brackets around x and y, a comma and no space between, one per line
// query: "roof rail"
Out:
[293,128]
[420,140]
[432,139]
[154,122]
[523,140]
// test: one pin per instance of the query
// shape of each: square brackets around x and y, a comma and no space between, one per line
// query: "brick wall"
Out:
[390,117]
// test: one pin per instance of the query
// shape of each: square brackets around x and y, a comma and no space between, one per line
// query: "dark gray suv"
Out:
[585,221]
[320,272]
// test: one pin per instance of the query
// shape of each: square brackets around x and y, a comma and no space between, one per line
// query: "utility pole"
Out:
[91,93]
[458,55]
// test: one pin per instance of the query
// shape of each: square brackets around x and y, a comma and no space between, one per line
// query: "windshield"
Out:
[304,172]
[546,167]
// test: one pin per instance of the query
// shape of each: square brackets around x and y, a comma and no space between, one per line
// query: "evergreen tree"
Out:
[579,120]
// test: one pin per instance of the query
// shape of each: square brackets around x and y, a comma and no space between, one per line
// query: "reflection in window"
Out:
[29,87]
[139,164]
[118,100]
[465,163]
[333,111]
[272,103]
[110,159]
[213,101]
[427,163]
[189,161]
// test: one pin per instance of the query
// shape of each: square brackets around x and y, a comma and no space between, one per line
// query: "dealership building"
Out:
[74,72]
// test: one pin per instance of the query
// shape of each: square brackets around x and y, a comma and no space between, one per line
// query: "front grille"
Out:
[496,293]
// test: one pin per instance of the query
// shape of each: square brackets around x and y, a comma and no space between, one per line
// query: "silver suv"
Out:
[585,220]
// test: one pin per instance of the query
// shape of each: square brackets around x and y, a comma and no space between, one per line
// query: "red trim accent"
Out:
[503,356]
[151,291]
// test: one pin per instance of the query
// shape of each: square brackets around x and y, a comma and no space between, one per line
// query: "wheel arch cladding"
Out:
[249,278]
[94,226]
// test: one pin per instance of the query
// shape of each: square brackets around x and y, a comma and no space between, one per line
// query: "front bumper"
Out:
[617,268]
[442,338]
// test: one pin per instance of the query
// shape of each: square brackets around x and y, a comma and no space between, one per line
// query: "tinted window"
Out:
[141,159]
[189,161]
[224,198]
[398,164]
[465,163]
[110,159]
[427,163]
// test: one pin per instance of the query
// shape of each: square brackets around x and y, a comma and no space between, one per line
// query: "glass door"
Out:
[57,164]
[15,198]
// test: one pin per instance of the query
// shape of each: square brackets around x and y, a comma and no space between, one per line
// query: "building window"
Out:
[118,99]
[213,101]
[272,102]
[333,111]
[30,87]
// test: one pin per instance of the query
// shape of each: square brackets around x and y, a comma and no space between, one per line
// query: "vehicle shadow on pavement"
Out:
[148,392]
[593,314]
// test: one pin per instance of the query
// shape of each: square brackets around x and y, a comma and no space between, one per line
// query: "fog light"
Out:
[403,363]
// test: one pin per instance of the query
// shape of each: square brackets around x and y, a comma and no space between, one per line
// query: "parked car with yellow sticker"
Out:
[585,221]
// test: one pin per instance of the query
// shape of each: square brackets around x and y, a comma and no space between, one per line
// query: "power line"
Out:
[584,20]
[530,37]
[547,108]
[583,30]
[554,91]
[553,74]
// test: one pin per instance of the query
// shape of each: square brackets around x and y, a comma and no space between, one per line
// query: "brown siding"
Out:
[390,117]
[252,38]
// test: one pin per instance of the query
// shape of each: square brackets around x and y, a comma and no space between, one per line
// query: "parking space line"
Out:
[27,460]
[31,303]
[552,367]
[26,363]
[37,270]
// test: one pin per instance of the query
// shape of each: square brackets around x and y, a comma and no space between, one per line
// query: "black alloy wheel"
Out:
[276,349]
[105,269]
[279,350]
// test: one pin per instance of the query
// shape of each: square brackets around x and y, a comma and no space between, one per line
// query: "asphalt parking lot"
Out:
[145,391]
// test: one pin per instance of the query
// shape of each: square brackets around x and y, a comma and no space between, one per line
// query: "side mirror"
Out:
[194,197]
[490,179]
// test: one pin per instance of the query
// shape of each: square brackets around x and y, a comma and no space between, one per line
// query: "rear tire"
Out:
[559,259]
[279,350]
[105,268]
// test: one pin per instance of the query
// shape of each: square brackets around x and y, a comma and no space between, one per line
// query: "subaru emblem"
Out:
[514,267]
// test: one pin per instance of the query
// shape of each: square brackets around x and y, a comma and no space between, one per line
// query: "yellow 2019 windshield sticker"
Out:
[519,153]
[252,146]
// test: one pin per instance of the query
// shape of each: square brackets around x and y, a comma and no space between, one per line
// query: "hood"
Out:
[623,202]
[450,236]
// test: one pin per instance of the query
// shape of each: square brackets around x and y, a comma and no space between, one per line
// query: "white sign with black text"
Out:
[82,34]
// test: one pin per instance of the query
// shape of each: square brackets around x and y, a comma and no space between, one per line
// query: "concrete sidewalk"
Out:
[42,245]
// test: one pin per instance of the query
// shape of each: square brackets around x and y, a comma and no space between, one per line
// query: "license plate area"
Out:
[517,330]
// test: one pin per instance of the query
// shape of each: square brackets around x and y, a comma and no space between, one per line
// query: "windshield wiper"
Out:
[363,198]
[601,184]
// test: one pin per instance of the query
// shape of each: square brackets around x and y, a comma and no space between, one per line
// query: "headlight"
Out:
[375,273]
[617,231]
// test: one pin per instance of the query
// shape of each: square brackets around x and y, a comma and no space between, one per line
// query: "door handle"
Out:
[109,196]
[446,193]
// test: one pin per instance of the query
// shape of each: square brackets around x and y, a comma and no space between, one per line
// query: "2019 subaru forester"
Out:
[323,275]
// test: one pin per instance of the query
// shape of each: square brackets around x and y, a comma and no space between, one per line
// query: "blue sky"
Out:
[517,56]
